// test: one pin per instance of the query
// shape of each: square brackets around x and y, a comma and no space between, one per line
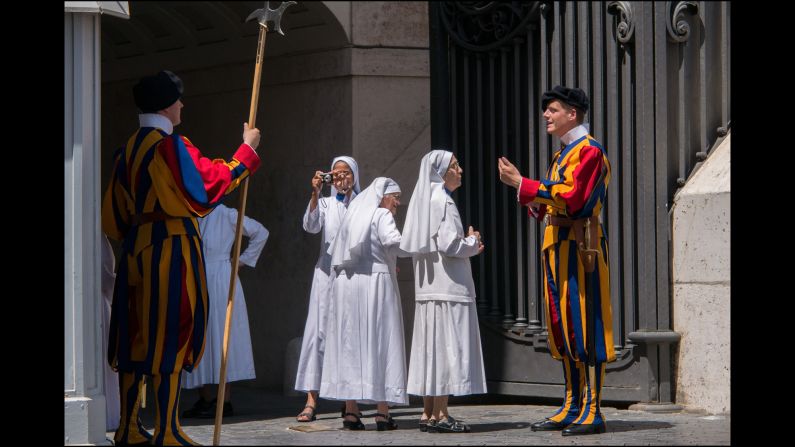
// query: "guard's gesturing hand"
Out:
[508,173]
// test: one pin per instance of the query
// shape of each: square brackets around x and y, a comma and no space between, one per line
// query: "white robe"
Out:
[365,356]
[326,217]
[218,237]
[112,414]
[446,355]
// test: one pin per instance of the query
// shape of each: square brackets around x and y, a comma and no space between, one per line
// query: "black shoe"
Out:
[449,425]
[201,409]
[423,425]
[310,415]
[584,429]
[353,425]
[547,425]
[388,424]
[204,410]
[342,412]
[228,410]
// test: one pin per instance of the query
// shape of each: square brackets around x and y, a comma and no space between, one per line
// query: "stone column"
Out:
[84,398]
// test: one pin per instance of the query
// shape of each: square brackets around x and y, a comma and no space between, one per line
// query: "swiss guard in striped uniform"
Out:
[160,184]
[574,259]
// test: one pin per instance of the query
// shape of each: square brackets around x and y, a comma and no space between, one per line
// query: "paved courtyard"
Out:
[268,418]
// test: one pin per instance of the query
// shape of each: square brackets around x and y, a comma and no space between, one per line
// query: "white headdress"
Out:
[354,168]
[354,233]
[427,204]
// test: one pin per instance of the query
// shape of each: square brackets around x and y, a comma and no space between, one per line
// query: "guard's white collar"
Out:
[155,120]
[574,134]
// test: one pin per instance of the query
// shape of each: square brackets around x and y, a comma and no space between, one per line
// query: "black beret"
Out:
[153,93]
[574,97]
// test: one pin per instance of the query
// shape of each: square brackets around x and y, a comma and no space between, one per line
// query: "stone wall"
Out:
[702,285]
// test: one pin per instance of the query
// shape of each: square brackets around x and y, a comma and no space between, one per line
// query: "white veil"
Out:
[427,204]
[354,168]
[354,233]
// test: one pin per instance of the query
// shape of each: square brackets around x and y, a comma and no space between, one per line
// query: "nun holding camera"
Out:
[323,214]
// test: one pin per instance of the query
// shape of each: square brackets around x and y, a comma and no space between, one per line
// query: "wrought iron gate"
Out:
[657,74]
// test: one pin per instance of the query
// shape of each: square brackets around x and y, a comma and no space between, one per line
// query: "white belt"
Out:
[375,267]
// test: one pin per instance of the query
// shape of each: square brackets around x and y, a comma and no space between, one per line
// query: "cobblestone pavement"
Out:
[268,418]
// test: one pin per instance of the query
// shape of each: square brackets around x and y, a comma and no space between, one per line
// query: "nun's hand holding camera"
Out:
[317,182]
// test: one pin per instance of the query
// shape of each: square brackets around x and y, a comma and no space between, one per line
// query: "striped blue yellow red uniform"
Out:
[160,308]
[575,187]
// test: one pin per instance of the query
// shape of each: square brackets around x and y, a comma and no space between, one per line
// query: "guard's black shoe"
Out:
[547,425]
[584,429]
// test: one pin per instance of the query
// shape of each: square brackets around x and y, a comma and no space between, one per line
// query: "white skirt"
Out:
[365,357]
[310,364]
[240,358]
[446,356]
[112,414]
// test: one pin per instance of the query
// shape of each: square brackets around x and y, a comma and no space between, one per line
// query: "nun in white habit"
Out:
[218,230]
[112,414]
[446,356]
[323,214]
[365,360]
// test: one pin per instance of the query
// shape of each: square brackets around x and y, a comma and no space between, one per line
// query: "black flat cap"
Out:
[572,96]
[153,93]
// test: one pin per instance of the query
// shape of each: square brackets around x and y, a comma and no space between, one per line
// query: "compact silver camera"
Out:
[327,178]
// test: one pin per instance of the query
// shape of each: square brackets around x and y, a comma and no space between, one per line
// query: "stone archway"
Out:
[305,98]
[348,78]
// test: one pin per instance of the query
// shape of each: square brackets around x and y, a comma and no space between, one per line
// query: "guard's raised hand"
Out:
[251,136]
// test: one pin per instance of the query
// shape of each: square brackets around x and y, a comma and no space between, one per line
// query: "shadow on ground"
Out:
[252,405]
[617,426]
